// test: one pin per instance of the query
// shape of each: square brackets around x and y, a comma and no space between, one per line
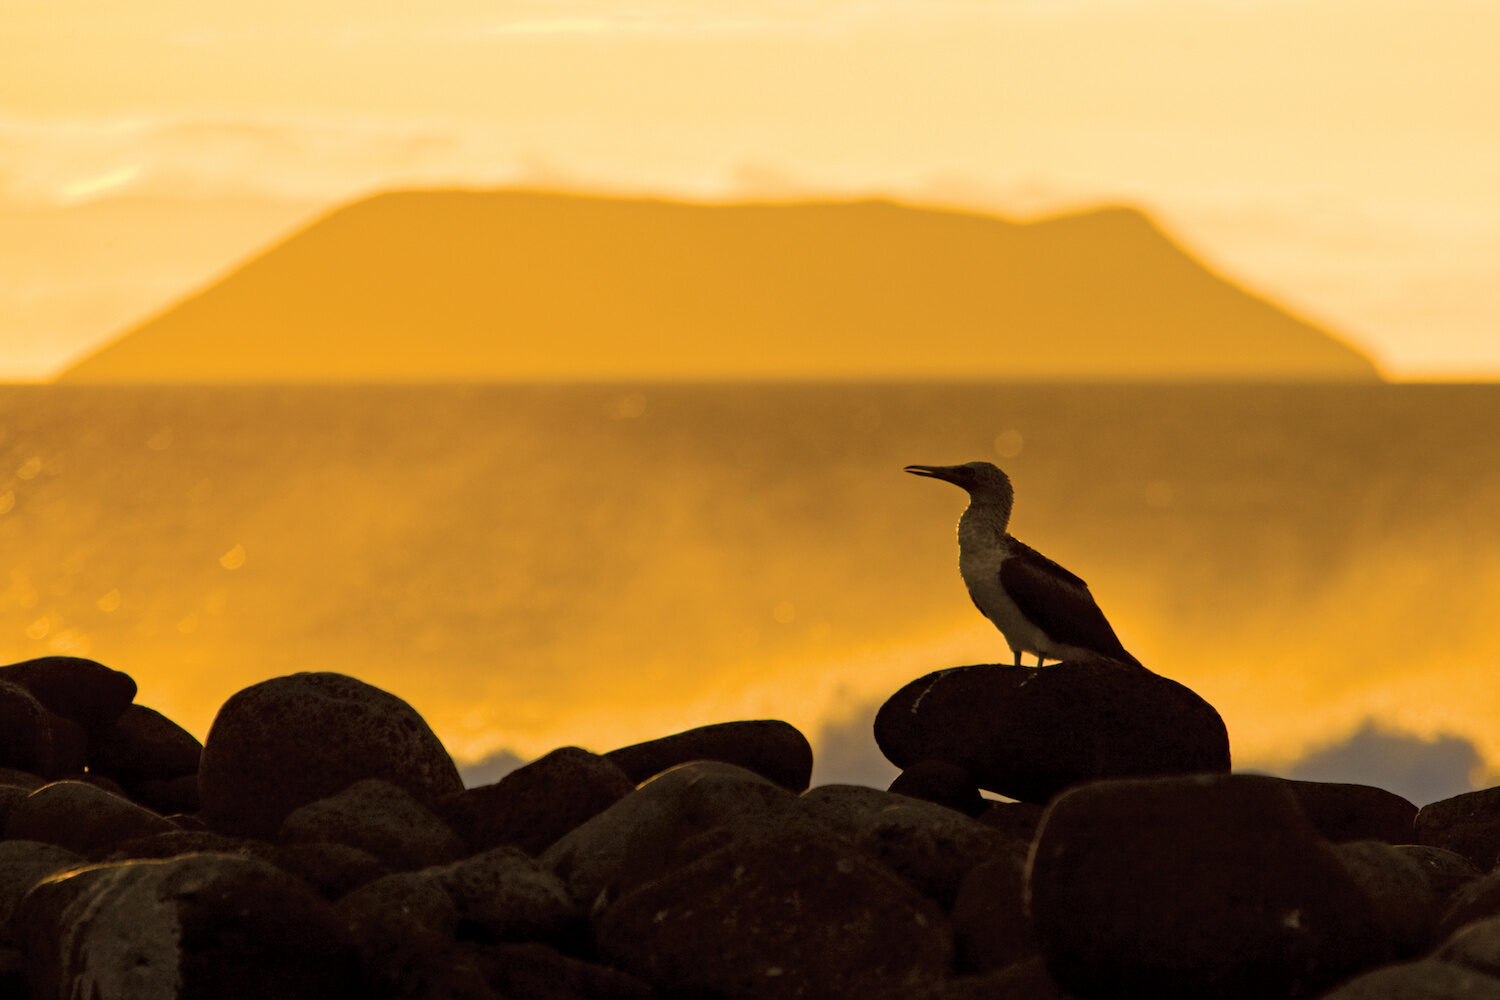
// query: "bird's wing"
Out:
[1057,602]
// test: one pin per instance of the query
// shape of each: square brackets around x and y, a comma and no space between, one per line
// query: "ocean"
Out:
[537,565]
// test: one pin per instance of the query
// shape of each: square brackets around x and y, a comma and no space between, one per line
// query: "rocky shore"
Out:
[321,845]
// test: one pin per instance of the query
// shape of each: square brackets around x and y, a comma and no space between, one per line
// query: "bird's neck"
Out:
[984,522]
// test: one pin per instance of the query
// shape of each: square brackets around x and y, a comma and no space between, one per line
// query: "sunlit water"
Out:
[535,566]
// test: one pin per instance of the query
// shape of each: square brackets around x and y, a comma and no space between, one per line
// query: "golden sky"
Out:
[1335,155]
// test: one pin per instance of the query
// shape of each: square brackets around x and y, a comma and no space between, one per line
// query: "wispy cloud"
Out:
[89,187]
[72,161]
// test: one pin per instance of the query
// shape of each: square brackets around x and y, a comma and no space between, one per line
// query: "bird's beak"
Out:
[947,473]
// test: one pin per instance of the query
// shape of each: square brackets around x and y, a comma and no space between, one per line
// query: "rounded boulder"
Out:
[81,817]
[1028,733]
[1206,885]
[202,925]
[288,741]
[144,745]
[797,914]
[85,691]
[771,748]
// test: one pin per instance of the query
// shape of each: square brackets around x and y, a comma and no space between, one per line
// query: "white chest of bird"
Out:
[982,548]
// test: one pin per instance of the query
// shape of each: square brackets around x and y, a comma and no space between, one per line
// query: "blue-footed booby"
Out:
[1037,605]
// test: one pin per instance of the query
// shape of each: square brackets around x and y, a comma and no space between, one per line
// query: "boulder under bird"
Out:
[1037,605]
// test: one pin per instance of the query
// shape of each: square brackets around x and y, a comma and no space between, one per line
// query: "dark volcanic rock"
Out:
[1017,820]
[929,845]
[333,870]
[404,927]
[791,915]
[201,926]
[942,782]
[504,895]
[677,816]
[536,972]
[12,778]
[1405,906]
[24,863]
[535,804]
[769,747]
[1025,980]
[9,796]
[1476,900]
[1028,733]
[1446,871]
[1428,979]
[175,843]
[33,739]
[169,796]
[87,692]
[378,817]
[1468,824]
[1476,945]
[82,818]
[144,745]
[990,925]
[293,740]
[1345,812]
[1203,886]
[408,926]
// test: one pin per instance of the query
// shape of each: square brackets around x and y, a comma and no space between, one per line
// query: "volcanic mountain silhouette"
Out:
[467,285]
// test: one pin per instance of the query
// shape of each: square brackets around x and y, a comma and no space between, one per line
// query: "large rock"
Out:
[81,817]
[1477,900]
[1446,871]
[292,740]
[144,745]
[990,926]
[1017,820]
[535,804]
[942,782]
[1204,886]
[769,747]
[201,926]
[1028,733]
[792,915]
[1468,824]
[505,895]
[1404,904]
[169,796]
[674,818]
[1025,980]
[379,818]
[333,870]
[1345,812]
[12,778]
[84,691]
[929,845]
[1476,945]
[408,925]
[404,926]
[175,843]
[24,863]
[1428,979]
[535,971]
[35,740]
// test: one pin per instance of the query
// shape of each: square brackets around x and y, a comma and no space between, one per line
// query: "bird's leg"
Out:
[1018,656]
[1040,659]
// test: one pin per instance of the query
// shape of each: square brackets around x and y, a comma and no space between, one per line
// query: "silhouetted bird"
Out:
[1037,605]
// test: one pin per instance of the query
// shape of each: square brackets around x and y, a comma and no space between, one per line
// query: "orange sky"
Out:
[1337,155]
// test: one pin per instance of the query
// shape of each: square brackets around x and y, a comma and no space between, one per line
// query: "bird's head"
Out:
[984,482]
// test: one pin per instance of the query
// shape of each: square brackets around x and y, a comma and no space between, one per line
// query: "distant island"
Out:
[511,285]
